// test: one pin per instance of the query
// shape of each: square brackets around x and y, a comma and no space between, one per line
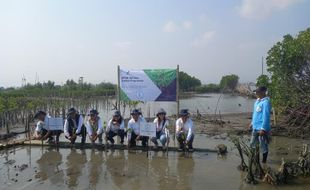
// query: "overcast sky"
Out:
[65,39]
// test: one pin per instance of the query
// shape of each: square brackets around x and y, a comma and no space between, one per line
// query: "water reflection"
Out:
[137,170]
[95,167]
[185,168]
[117,168]
[120,169]
[49,167]
[160,172]
[75,164]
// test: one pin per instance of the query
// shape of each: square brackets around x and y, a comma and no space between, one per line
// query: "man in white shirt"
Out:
[134,129]
[41,131]
[94,126]
[185,130]
[74,126]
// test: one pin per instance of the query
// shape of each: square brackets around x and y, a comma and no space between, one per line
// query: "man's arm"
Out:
[190,130]
[66,128]
[79,127]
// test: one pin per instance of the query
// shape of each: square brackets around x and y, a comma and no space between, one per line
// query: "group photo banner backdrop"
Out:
[148,85]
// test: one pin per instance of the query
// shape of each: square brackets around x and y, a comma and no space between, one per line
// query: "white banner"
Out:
[148,129]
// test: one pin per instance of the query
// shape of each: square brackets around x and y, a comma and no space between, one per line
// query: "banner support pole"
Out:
[118,89]
[178,102]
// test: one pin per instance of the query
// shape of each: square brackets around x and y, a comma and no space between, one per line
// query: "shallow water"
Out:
[205,103]
[120,169]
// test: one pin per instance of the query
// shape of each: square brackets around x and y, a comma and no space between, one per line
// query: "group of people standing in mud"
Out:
[74,126]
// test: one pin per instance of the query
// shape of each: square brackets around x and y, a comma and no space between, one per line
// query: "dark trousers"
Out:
[111,134]
[51,134]
[82,133]
[44,132]
[144,140]
[181,137]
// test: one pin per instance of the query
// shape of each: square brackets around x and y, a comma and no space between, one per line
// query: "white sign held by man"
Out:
[148,129]
[55,123]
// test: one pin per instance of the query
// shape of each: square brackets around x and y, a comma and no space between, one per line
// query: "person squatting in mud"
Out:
[185,131]
[42,131]
[94,126]
[161,123]
[74,126]
[115,127]
[133,133]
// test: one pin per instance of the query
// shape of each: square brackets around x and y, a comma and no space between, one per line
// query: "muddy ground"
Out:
[238,124]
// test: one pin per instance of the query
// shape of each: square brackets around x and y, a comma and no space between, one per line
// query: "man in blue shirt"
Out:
[261,122]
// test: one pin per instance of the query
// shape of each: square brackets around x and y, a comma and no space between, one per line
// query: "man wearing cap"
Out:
[74,126]
[261,122]
[41,131]
[115,127]
[134,129]
[185,130]
[94,126]
[161,123]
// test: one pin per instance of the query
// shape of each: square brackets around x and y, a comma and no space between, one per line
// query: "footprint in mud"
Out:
[22,167]
[10,162]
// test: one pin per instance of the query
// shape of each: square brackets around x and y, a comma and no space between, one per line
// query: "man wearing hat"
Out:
[74,126]
[185,130]
[134,129]
[261,122]
[115,127]
[161,123]
[41,131]
[94,126]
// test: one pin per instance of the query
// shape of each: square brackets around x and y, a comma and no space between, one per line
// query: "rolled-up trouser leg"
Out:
[254,138]
[263,141]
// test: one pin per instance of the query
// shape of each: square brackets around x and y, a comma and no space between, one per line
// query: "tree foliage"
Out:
[31,95]
[263,80]
[187,82]
[208,88]
[229,83]
[288,62]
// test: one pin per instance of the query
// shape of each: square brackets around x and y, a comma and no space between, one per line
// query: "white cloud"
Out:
[261,9]
[170,27]
[187,25]
[123,45]
[204,39]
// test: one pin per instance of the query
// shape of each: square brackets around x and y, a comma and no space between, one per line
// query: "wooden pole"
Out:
[178,102]
[118,88]
[274,116]
[262,65]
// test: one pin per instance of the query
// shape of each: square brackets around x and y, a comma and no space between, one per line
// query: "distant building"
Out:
[81,80]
